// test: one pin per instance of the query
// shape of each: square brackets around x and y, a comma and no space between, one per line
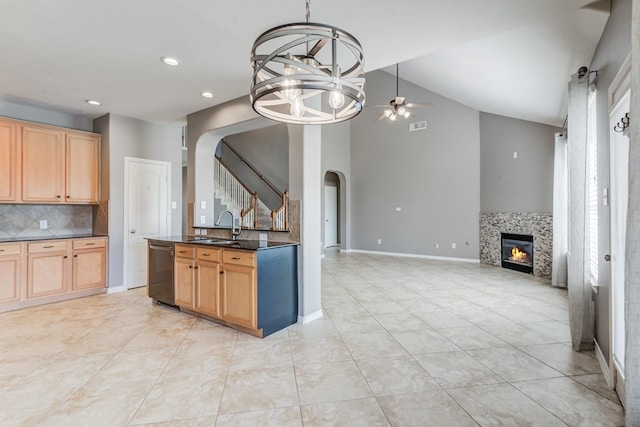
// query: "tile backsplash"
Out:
[23,220]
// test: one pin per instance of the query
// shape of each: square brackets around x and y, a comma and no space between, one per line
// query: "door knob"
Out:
[133,231]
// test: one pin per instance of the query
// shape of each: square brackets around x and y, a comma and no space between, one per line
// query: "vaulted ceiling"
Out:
[508,57]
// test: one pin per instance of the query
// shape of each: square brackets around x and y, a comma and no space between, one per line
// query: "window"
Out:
[592,187]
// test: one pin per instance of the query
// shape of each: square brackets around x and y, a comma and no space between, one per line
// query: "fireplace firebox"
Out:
[517,252]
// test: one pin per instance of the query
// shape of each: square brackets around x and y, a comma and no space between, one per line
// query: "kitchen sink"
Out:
[217,242]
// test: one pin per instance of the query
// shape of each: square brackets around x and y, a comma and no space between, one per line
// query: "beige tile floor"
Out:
[404,342]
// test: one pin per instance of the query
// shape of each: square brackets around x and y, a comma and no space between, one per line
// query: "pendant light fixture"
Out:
[307,73]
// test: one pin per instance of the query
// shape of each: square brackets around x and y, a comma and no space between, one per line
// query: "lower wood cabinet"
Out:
[255,291]
[10,272]
[197,279]
[48,268]
[239,288]
[53,270]
[89,268]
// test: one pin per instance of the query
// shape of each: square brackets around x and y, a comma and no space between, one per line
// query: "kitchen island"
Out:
[249,285]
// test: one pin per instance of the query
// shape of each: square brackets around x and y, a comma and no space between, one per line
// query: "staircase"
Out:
[244,203]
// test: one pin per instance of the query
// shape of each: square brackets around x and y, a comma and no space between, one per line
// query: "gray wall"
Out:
[122,137]
[336,158]
[44,115]
[432,175]
[613,48]
[523,184]
[267,149]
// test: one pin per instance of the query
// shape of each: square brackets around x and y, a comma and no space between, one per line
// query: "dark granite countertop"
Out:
[41,238]
[247,245]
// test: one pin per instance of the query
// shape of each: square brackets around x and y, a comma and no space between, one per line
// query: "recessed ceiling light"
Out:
[92,102]
[207,94]
[170,61]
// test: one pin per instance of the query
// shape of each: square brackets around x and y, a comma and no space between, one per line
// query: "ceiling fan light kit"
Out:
[307,73]
[399,106]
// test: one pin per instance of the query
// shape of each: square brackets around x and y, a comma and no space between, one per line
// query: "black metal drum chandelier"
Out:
[307,73]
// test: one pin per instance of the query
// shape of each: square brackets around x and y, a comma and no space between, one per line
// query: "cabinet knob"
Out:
[235,257]
[195,268]
[75,256]
[65,257]
[68,197]
[191,266]
[206,254]
[58,196]
[221,272]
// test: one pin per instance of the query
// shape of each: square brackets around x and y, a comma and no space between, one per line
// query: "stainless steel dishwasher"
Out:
[160,271]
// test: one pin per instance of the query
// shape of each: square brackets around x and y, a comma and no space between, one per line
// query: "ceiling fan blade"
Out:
[382,116]
[419,104]
[377,106]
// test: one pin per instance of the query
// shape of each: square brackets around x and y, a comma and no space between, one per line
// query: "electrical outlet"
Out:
[398,209]
[174,205]
[203,219]
[379,241]
[203,204]
[453,246]
[44,224]
[436,245]
[515,154]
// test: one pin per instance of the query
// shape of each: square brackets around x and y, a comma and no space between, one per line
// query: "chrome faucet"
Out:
[234,232]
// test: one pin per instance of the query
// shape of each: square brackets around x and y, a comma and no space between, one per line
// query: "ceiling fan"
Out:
[399,106]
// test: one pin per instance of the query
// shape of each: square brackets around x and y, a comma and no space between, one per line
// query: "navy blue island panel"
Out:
[277,288]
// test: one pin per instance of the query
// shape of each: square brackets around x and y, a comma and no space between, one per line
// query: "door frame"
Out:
[337,216]
[620,85]
[125,232]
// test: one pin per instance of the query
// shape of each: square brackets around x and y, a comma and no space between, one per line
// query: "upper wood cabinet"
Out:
[42,165]
[81,178]
[9,164]
[46,164]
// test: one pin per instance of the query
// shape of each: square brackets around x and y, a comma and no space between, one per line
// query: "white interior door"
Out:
[619,158]
[147,195]
[330,216]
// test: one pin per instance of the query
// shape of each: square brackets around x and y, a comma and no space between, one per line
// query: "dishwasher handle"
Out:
[161,248]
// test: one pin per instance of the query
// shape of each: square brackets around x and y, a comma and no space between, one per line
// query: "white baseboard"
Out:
[603,365]
[433,257]
[116,289]
[310,317]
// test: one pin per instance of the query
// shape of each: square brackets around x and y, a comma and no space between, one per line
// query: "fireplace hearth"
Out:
[517,252]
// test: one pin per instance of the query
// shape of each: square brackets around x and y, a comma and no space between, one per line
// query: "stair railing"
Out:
[280,217]
[237,196]
[253,168]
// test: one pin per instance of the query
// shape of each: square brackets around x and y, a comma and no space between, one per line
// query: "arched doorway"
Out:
[332,208]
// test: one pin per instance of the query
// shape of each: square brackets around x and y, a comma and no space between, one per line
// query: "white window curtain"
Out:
[560,210]
[578,254]
[632,249]
[592,186]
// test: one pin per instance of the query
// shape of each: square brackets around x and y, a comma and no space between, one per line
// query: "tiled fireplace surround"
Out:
[539,225]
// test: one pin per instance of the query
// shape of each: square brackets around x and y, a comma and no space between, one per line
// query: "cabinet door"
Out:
[239,295]
[183,284]
[9,278]
[89,269]
[208,288]
[82,154]
[47,273]
[8,161]
[42,165]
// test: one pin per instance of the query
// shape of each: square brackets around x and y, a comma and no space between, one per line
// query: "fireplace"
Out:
[517,252]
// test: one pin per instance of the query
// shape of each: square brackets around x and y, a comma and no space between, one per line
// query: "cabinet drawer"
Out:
[12,249]
[184,251]
[239,258]
[56,245]
[89,243]
[207,254]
